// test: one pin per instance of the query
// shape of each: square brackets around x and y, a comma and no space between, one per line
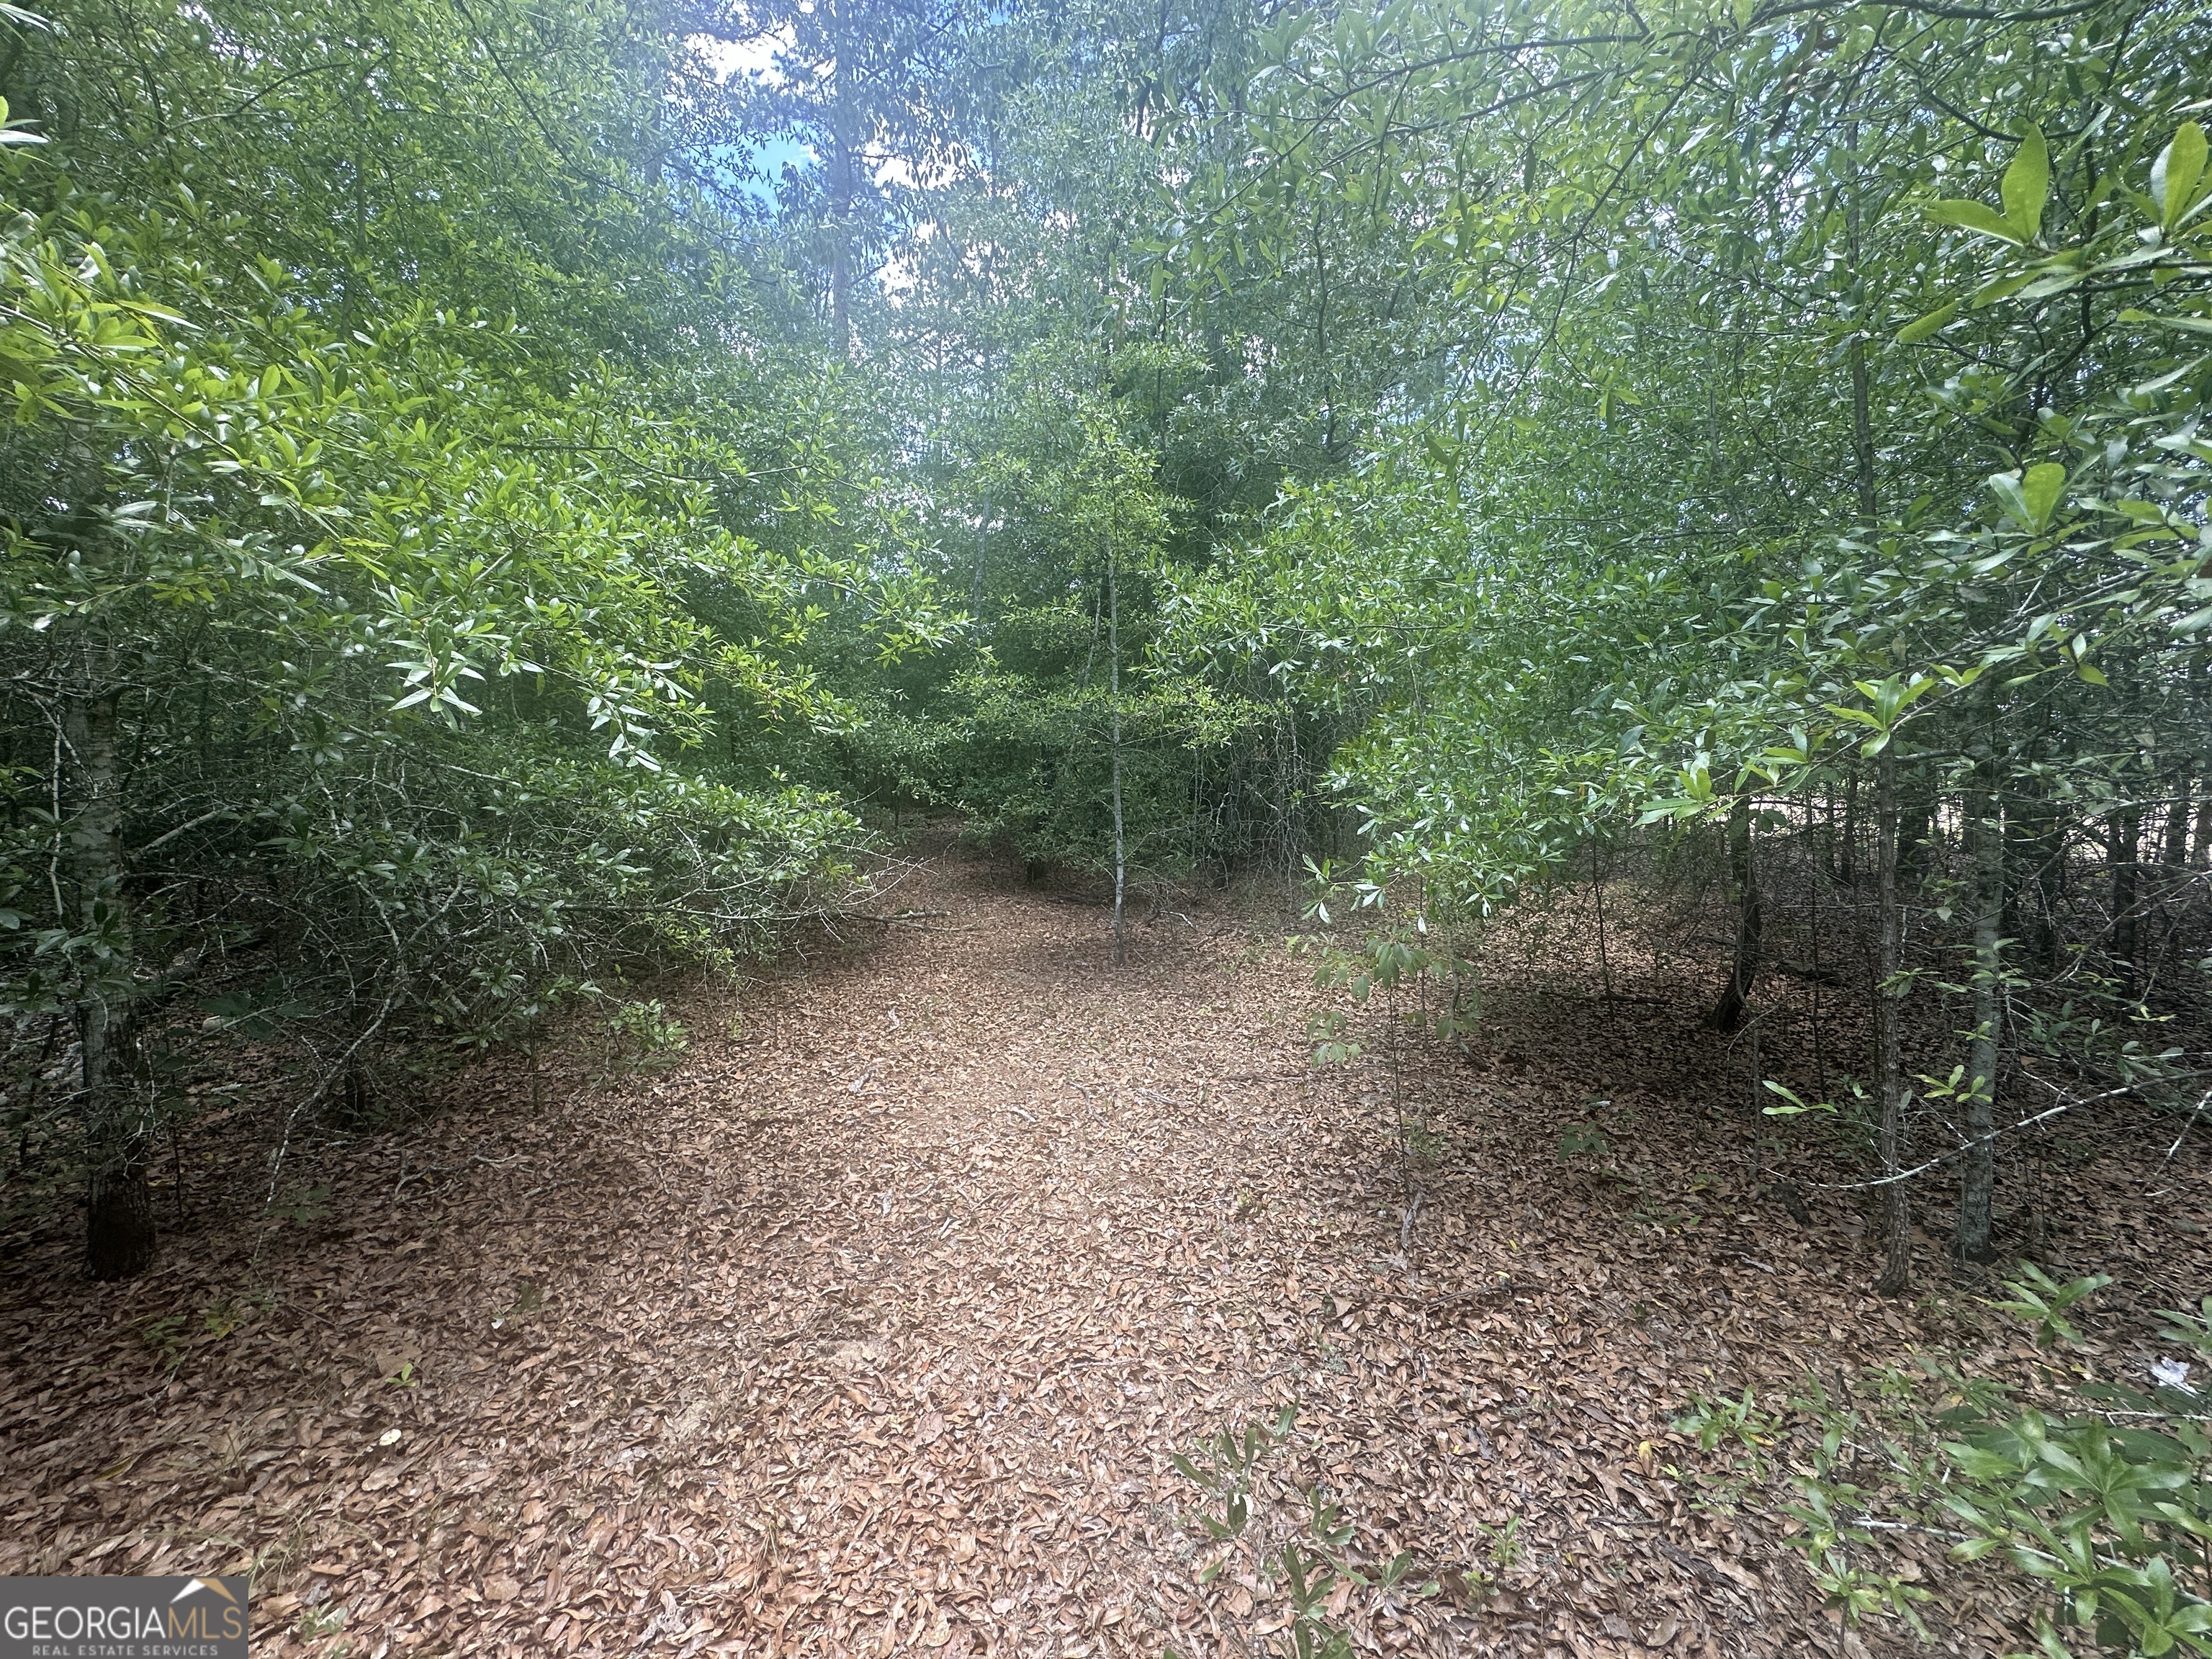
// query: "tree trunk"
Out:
[1726,1013]
[2174,854]
[1847,845]
[2038,843]
[2123,846]
[118,1207]
[982,548]
[2172,880]
[1597,892]
[1113,675]
[1861,402]
[1918,818]
[1896,1216]
[1985,829]
[842,189]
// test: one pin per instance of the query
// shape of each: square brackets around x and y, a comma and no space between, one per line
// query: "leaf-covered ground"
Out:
[873,1327]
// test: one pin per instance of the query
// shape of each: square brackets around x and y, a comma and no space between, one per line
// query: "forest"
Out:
[1111,826]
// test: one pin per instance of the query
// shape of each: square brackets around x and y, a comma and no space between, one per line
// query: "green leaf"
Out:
[2027,183]
[2042,488]
[1978,217]
[2030,500]
[2174,176]
[1926,327]
[11,132]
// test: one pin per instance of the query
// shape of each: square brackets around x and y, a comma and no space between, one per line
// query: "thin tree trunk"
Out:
[2038,862]
[983,548]
[2174,854]
[1812,892]
[1597,892]
[2172,882]
[2124,846]
[1114,674]
[1985,830]
[1862,415]
[118,1207]
[1896,1220]
[1861,402]
[1726,1013]
[1896,1216]
[1915,831]
[1847,844]
[843,188]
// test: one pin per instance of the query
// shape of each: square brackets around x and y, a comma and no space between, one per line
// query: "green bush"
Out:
[2094,1497]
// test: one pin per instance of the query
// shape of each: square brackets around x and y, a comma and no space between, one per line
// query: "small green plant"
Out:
[1312,1564]
[1502,1553]
[300,1205]
[318,1622]
[1664,1219]
[1400,963]
[2041,1301]
[1231,1456]
[1331,1046]
[2096,1493]
[529,1298]
[1504,1543]
[1478,1580]
[1747,1429]
[1581,1139]
[166,1337]
[1834,1545]
[643,1036]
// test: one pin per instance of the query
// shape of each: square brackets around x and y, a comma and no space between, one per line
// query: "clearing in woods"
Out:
[873,1328]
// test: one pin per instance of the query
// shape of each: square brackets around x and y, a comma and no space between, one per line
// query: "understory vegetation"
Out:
[505,504]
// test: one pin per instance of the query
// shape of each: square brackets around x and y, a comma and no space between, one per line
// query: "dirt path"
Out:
[871,1330]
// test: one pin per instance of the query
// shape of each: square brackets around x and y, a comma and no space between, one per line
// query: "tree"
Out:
[364,651]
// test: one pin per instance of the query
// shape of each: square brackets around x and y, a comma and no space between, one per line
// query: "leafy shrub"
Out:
[2094,1497]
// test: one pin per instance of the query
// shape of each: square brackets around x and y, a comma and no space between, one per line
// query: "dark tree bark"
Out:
[1915,822]
[2035,861]
[1847,844]
[1727,1011]
[2174,854]
[119,1235]
[2124,849]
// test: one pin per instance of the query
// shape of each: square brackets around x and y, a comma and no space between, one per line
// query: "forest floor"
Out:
[872,1328]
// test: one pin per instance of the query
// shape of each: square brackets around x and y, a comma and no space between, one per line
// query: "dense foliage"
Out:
[417,524]
[500,501]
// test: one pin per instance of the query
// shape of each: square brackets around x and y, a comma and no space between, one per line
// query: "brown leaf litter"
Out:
[871,1328]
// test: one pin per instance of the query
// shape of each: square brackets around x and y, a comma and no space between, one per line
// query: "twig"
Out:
[1511,1287]
[2202,1100]
[1938,1162]
[1406,1227]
